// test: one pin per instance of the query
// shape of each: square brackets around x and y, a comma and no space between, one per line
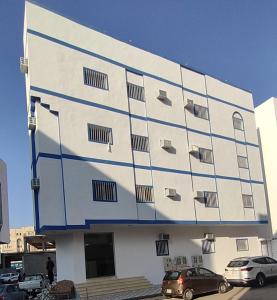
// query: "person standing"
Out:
[50,267]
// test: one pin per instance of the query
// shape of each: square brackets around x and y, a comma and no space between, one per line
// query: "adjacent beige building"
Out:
[17,240]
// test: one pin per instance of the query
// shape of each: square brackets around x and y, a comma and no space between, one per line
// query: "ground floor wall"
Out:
[135,252]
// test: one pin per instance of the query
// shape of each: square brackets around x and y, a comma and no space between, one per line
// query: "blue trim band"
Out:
[149,222]
[130,165]
[82,50]
[123,112]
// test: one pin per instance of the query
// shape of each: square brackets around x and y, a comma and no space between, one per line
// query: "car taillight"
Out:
[247,269]
[181,280]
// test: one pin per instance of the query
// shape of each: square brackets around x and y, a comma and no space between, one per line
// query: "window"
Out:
[140,143]
[208,246]
[242,244]
[104,191]
[144,193]
[135,91]
[205,272]
[95,79]
[271,260]
[162,248]
[210,199]
[100,134]
[260,260]
[247,201]
[201,112]
[242,162]
[206,156]
[238,121]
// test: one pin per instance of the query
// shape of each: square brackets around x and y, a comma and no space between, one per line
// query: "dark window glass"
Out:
[162,248]
[104,191]
[172,275]
[237,263]
[95,79]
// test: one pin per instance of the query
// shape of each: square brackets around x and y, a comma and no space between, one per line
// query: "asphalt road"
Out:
[269,292]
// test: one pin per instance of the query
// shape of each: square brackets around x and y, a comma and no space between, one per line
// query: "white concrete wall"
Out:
[135,249]
[266,118]
[5,231]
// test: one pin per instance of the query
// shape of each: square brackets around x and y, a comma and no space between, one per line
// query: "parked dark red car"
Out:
[192,281]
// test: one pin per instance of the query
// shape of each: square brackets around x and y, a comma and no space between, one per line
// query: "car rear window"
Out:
[237,263]
[172,275]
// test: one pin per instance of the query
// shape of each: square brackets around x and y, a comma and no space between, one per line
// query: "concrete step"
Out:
[107,286]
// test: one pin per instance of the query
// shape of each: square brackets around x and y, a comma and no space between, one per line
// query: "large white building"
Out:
[266,118]
[136,158]
[4,209]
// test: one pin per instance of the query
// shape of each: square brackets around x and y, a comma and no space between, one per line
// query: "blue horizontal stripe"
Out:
[123,112]
[149,222]
[131,69]
[130,165]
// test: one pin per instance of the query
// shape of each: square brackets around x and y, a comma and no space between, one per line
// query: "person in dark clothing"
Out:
[50,267]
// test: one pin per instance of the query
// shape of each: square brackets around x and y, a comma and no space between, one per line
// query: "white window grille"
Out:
[238,121]
[100,134]
[201,112]
[247,201]
[206,156]
[140,143]
[211,199]
[135,91]
[208,246]
[95,79]
[144,193]
[197,261]
[242,162]
[104,191]
[242,245]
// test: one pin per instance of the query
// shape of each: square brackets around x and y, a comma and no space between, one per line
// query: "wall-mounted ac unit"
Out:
[166,144]
[164,236]
[197,261]
[35,183]
[189,106]
[23,65]
[162,95]
[209,236]
[170,192]
[193,149]
[32,123]
[199,195]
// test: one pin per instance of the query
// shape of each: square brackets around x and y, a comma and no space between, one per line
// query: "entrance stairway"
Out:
[112,288]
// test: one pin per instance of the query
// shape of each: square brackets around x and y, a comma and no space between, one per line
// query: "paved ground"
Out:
[269,292]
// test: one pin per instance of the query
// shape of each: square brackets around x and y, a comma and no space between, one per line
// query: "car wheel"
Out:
[188,294]
[260,280]
[222,288]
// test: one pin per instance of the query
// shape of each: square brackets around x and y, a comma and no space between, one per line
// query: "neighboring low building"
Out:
[266,119]
[17,241]
[138,162]
[4,209]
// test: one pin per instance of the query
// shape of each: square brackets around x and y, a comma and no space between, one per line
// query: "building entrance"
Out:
[99,255]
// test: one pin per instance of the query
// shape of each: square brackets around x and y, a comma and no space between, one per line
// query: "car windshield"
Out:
[238,263]
[172,275]
[34,277]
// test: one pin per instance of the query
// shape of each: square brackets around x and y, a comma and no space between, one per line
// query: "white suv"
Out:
[248,270]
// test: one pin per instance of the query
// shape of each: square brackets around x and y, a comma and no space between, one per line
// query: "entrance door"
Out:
[99,255]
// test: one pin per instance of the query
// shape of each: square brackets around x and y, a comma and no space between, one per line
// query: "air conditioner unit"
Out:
[166,144]
[209,236]
[197,261]
[189,106]
[170,192]
[23,65]
[32,123]
[199,195]
[193,149]
[164,236]
[35,183]
[162,95]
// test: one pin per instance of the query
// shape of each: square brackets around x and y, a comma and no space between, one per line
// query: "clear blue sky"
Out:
[233,40]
